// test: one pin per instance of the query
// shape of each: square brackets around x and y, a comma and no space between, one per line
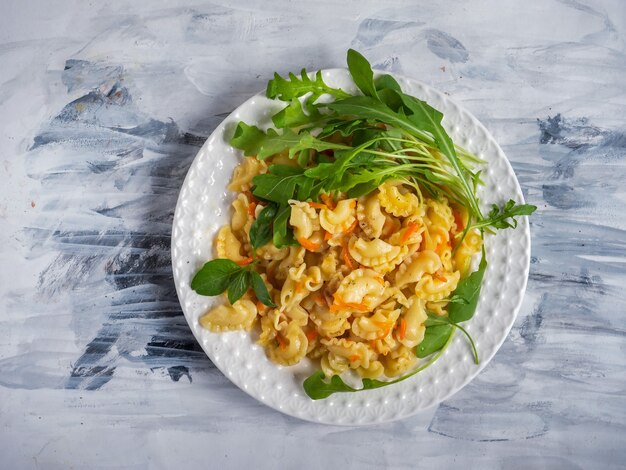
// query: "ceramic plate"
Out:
[204,206]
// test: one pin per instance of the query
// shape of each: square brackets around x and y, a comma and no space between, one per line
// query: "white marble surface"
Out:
[103,106]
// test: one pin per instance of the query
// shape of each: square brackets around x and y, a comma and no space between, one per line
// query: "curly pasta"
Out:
[354,294]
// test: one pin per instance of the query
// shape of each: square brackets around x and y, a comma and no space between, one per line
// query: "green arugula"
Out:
[221,275]
[295,87]
[504,217]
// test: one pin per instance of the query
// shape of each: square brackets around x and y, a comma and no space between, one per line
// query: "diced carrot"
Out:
[410,230]
[308,244]
[402,329]
[282,342]
[351,228]
[251,208]
[327,235]
[260,306]
[244,261]
[299,287]
[311,335]
[352,204]
[328,201]
[251,197]
[458,220]
[346,256]
[355,358]
[317,205]
[439,276]
[339,305]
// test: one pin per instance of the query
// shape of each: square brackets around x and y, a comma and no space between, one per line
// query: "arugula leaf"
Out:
[468,289]
[277,187]
[293,115]
[435,338]
[254,142]
[260,289]
[386,81]
[426,117]
[498,217]
[215,276]
[238,286]
[434,321]
[361,72]
[287,90]
[261,228]
[317,389]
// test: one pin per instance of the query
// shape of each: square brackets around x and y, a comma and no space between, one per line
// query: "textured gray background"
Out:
[104,105]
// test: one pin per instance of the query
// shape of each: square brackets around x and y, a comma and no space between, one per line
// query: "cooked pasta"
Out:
[354,293]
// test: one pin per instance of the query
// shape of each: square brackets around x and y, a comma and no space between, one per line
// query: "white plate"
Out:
[204,206]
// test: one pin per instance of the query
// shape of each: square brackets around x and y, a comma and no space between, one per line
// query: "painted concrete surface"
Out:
[102,109]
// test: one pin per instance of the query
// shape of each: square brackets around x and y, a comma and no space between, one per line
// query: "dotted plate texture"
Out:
[204,206]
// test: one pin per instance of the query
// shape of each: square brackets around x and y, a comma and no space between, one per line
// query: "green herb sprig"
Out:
[220,275]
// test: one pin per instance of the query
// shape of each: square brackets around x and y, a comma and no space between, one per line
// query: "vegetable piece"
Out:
[238,286]
[254,142]
[260,289]
[498,216]
[469,290]
[361,72]
[261,229]
[283,233]
[295,87]
[435,338]
[214,277]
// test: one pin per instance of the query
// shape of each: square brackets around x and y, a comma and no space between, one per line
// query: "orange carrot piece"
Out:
[251,208]
[317,205]
[351,228]
[244,261]
[308,244]
[410,230]
[346,255]
[260,306]
[402,329]
[458,220]
[328,201]
[439,276]
[327,235]
[282,342]
[355,358]
[311,335]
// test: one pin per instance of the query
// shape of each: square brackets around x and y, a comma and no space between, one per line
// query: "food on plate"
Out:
[352,235]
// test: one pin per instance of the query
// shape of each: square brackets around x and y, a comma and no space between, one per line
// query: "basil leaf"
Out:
[435,337]
[260,289]
[468,289]
[238,286]
[283,233]
[361,72]
[261,228]
[214,277]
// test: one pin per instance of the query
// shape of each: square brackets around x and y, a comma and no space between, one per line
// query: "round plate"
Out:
[204,206]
